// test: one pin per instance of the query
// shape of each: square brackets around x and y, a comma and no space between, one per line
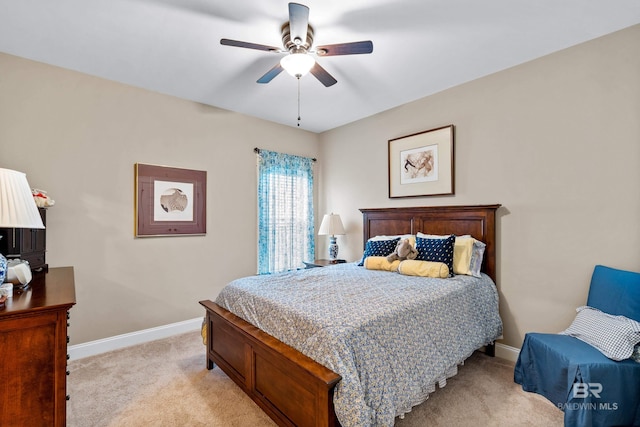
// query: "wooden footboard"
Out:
[290,387]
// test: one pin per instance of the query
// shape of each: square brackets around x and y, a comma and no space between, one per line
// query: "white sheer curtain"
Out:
[285,211]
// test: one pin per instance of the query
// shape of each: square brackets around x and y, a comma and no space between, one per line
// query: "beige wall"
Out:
[78,137]
[556,141]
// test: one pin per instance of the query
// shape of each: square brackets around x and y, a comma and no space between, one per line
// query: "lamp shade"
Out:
[17,207]
[331,225]
[297,64]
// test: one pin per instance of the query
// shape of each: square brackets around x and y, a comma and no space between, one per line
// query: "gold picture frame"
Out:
[422,164]
[169,201]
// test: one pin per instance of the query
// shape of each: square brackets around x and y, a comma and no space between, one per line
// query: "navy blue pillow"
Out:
[437,250]
[379,248]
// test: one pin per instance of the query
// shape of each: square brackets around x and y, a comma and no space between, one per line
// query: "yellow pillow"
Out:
[380,263]
[411,267]
[462,252]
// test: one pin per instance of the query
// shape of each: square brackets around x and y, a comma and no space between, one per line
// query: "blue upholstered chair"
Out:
[590,388]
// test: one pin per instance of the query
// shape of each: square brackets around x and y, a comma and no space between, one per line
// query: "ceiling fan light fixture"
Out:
[297,39]
[297,64]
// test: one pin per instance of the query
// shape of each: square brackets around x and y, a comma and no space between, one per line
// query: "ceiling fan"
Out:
[297,39]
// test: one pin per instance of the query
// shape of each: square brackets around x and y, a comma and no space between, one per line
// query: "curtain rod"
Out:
[257,151]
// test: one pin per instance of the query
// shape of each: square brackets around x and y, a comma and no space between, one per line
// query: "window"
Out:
[285,211]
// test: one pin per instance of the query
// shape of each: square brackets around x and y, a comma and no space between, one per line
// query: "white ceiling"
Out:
[420,46]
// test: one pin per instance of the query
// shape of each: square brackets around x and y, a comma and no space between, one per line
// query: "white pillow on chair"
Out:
[614,336]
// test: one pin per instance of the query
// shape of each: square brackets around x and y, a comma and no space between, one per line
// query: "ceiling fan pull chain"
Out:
[298,101]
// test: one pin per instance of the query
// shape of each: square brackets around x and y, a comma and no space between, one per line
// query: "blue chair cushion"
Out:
[608,392]
[615,292]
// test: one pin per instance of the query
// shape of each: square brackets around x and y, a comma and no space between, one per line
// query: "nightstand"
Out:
[322,263]
[33,360]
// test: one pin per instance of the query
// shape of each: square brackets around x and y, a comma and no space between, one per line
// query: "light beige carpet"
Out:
[166,383]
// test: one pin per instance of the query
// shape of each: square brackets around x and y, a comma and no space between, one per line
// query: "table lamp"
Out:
[331,226]
[17,207]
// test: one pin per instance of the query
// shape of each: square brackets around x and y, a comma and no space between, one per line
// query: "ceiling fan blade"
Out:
[271,74]
[353,48]
[298,22]
[323,75]
[237,43]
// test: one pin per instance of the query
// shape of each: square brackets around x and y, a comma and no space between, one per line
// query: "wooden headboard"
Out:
[478,221]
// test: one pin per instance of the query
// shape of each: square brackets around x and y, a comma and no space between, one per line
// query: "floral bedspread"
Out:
[391,337]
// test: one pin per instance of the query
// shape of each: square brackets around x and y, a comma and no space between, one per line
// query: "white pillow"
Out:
[477,254]
[411,237]
[401,236]
[614,336]
[432,236]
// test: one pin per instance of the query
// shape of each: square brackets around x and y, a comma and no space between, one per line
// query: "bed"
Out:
[292,387]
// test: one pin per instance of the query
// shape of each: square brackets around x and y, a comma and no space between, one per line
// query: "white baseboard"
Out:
[104,345]
[507,352]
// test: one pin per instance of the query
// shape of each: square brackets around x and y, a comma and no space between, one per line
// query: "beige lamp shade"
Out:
[17,207]
[331,225]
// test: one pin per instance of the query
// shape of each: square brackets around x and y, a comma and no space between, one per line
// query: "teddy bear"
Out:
[404,250]
[42,199]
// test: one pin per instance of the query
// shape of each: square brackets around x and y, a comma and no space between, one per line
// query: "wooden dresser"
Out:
[33,351]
